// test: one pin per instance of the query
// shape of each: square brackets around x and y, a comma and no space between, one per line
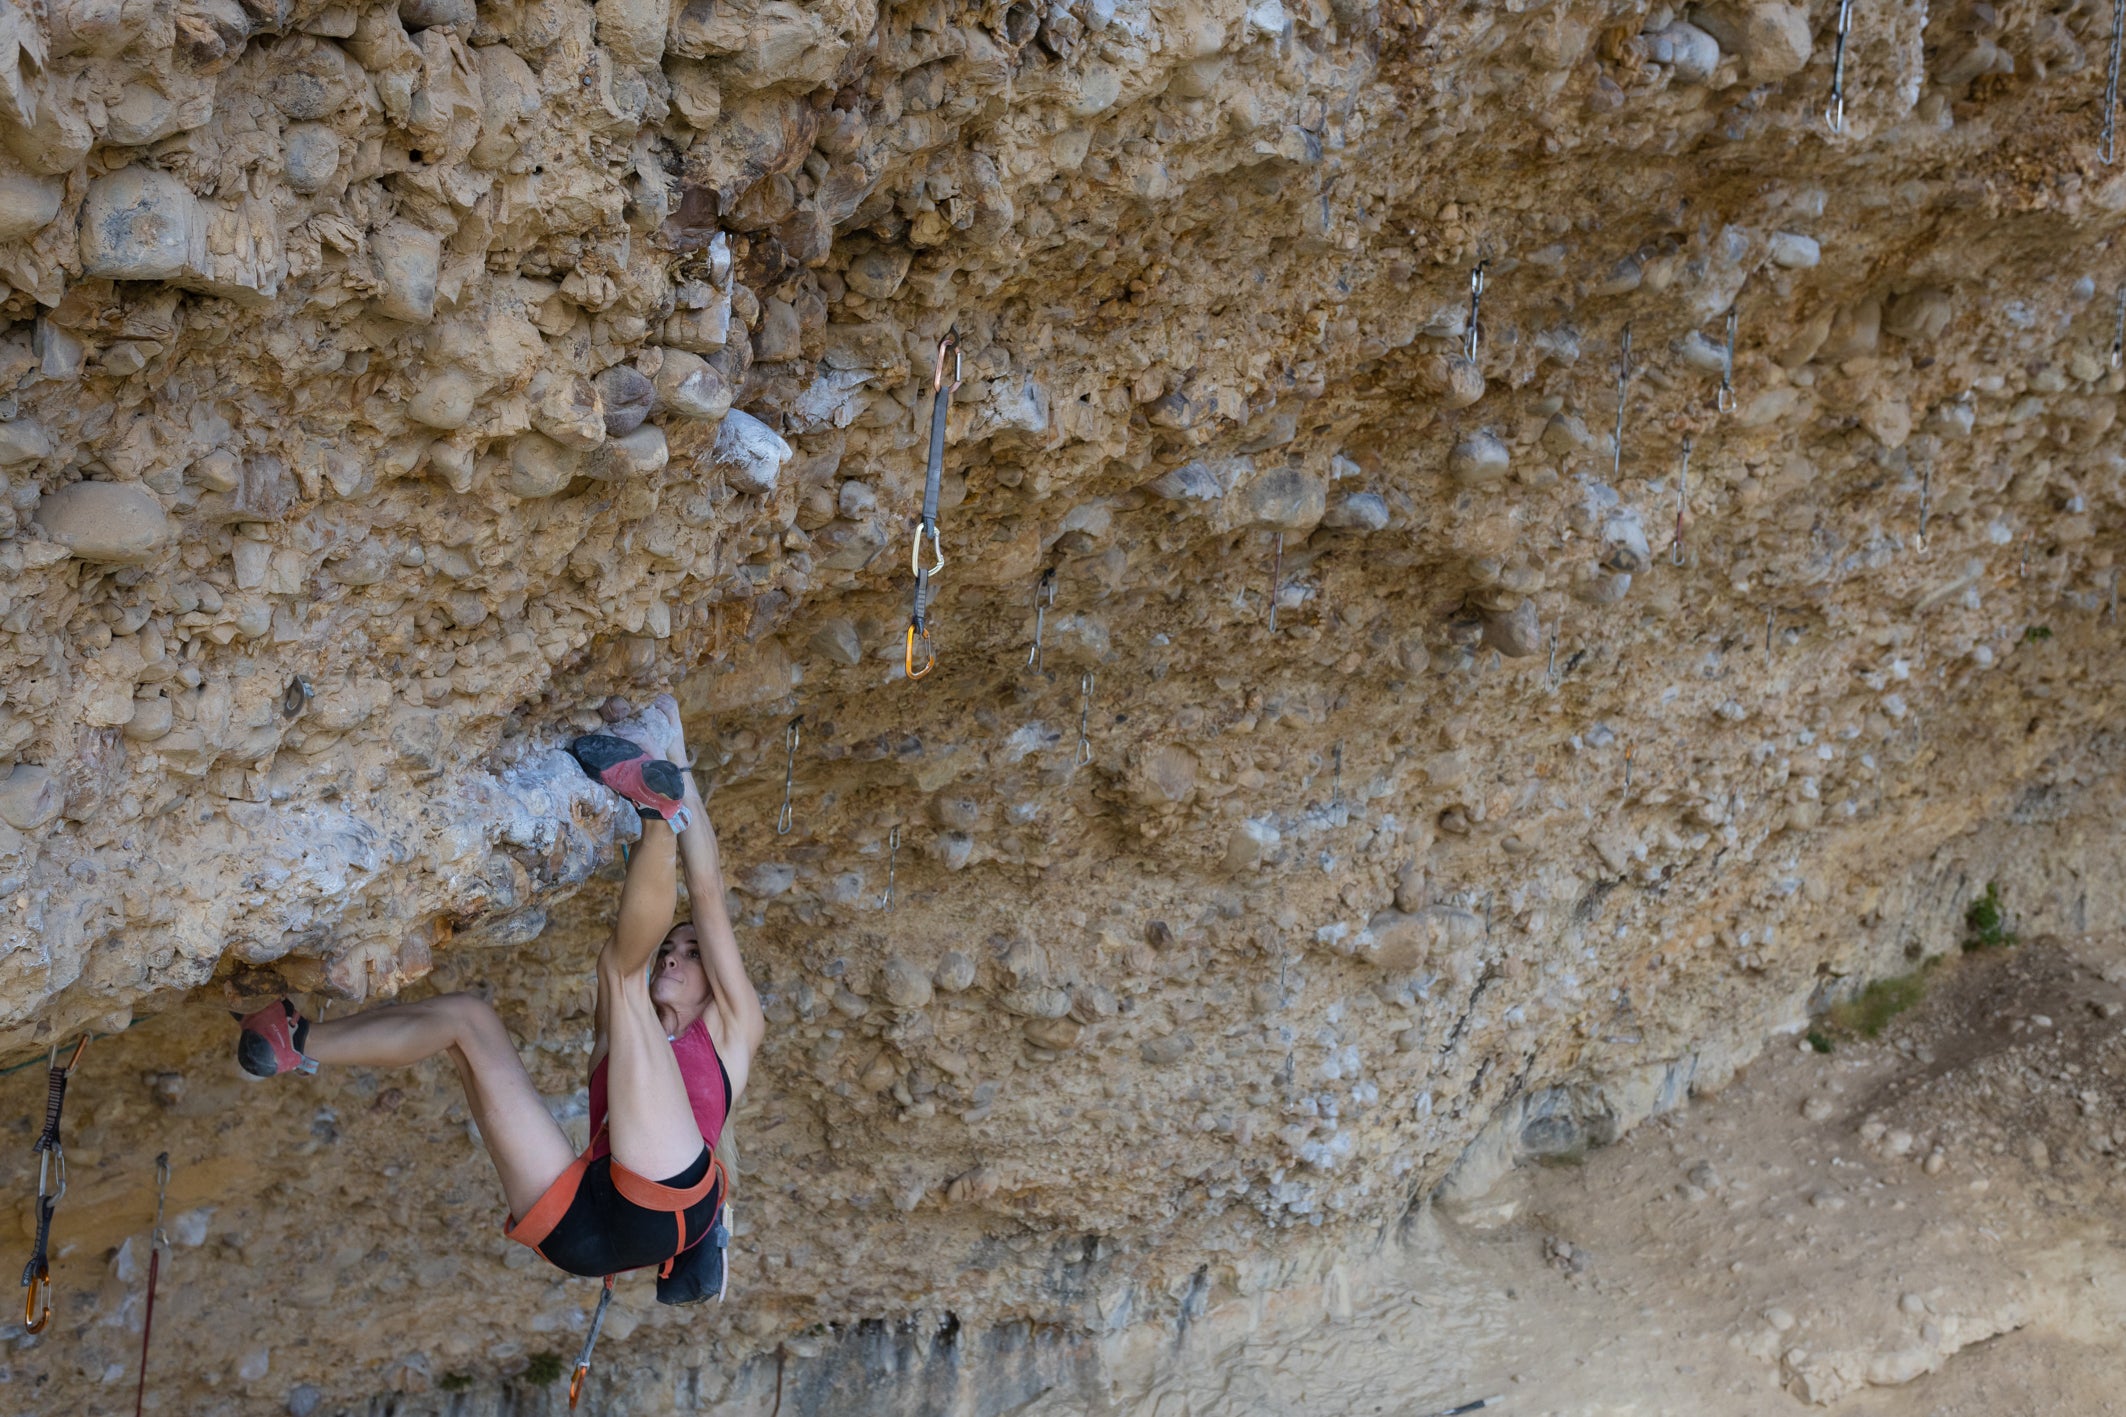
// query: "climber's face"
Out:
[678,980]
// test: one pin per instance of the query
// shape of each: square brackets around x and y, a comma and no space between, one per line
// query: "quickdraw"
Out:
[791,737]
[1834,112]
[1276,578]
[51,1185]
[1044,598]
[1471,340]
[1724,400]
[590,1341]
[1676,552]
[1084,754]
[157,1243]
[927,526]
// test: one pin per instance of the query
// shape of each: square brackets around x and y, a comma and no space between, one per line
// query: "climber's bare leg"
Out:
[649,1120]
[527,1145]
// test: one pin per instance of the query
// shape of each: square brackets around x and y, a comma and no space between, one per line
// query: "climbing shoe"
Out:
[656,787]
[272,1041]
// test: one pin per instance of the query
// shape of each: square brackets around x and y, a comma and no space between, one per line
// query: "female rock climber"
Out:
[677,1026]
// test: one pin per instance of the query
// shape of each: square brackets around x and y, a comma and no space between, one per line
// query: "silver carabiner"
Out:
[1084,754]
[791,736]
[915,552]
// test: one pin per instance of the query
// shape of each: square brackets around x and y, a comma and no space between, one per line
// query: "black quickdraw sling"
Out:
[940,407]
[51,1185]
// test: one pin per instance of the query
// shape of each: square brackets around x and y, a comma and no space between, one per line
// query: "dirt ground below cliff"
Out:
[1925,1224]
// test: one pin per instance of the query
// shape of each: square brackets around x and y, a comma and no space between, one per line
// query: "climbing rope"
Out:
[157,1243]
[940,407]
[590,1341]
[51,1185]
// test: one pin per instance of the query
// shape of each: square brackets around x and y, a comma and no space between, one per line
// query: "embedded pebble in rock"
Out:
[691,387]
[446,401]
[955,972]
[23,440]
[1361,511]
[311,152]
[540,467]
[627,396]
[105,521]
[1793,250]
[27,203]
[1479,459]
[751,452]
[29,797]
[906,986]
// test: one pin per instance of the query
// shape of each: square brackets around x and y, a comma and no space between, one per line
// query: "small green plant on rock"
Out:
[454,1382]
[1868,1012]
[2036,634]
[1986,923]
[542,1369]
[1818,1039]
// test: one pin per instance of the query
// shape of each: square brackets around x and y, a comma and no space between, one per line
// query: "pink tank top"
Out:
[708,1087]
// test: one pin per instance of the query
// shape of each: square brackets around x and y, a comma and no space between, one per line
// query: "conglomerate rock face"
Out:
[1449,723]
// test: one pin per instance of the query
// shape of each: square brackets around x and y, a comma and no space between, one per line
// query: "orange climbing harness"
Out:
[51,1185]
[927,526]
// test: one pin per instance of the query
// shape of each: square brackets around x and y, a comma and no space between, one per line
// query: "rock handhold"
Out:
[23,440]
[1771,36]
[1479,459]
[1918,315]
[140,223]
[876,273]
[1453,380]
[838,642]
[955,972]
[29,797]
[628,395]
[751,453]
[117,522]
[690,387]
[28,203]
[1515,633]
[1287,498]
[1693,53]
[540,467]
[1361,511]
[408,261]
[445,401]
[310,156]
[906,987]
[637,455]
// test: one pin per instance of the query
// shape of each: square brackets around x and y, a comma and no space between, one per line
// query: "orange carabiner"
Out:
[908,656]
[951,341]
[34,1316]
[575,1385]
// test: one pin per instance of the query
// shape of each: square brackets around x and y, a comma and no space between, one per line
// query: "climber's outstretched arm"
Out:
[735,1000]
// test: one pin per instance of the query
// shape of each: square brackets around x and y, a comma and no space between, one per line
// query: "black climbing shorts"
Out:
[600,1218]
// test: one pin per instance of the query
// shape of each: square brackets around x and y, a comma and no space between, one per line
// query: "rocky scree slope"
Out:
[392,387]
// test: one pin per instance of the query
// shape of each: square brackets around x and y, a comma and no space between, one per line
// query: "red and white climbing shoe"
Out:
[271,1042]
[656,787]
